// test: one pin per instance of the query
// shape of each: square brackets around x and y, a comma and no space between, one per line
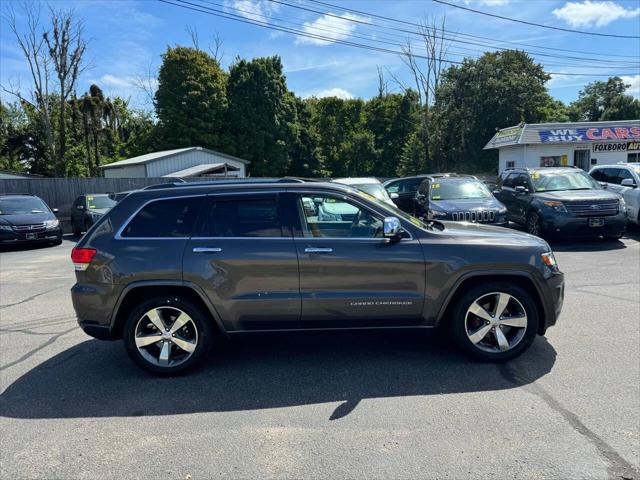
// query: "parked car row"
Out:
[560,201]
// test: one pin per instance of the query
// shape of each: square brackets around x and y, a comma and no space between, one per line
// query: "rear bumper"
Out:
[94,305]
[568,225]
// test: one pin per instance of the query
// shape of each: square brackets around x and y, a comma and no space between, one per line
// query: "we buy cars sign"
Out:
[589,134]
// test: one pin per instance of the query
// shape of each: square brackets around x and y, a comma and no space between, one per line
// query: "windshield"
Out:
[22,206]
[96,202]
[563,180]
[459,190]
[373,189]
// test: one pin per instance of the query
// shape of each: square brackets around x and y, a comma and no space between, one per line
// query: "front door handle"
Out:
[206,249]
[318,250]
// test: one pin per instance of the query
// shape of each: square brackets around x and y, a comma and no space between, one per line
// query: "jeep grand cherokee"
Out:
[169,269]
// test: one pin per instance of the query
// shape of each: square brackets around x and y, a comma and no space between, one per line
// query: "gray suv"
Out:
[171,269]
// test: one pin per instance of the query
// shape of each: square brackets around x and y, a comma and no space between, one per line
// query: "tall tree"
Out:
[497,90]
[66,46]
[191,101]
[262,114]
[602,100]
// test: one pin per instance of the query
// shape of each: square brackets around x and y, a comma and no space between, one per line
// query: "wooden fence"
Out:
[61,192]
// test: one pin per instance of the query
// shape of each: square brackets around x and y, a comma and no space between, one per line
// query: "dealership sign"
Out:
[507,135]
[616,147]
[589,134]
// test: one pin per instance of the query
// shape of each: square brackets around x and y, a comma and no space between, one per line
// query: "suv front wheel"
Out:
[167,335]
[494,321]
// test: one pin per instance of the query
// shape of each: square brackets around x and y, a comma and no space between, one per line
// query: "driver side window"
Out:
[329,216]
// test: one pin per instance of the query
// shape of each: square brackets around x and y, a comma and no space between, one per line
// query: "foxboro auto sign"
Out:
[589,134]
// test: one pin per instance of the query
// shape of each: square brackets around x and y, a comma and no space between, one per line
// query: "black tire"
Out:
[76,231]
[87,226]
[534,225]
[458,319]
[56,243]
[201,320]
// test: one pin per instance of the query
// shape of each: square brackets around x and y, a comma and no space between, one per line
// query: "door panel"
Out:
[245,259]
[362,280]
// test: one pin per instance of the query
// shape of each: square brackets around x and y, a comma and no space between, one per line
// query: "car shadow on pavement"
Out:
[96,379]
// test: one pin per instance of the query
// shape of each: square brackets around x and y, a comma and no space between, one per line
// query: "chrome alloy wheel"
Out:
[166,336]
[496,322]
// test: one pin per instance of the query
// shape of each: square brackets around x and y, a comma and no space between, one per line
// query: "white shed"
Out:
[179,163]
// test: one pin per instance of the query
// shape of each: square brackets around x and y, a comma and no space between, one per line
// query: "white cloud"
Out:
[255,10]
[332,92]
[634,81]
[593,13]
[332,27]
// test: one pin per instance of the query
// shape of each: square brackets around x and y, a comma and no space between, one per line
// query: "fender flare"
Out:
[167,283]
[490,273]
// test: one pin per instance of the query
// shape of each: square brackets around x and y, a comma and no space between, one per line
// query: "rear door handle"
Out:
[206,249]
[318,250]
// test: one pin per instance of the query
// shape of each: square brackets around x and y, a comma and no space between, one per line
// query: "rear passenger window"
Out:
[172,218]
[243,217]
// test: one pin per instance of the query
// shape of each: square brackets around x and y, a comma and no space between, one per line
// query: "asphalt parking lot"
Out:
[351,405]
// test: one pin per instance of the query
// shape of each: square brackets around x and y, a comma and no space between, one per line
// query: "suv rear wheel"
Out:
[167,335]
[494,321]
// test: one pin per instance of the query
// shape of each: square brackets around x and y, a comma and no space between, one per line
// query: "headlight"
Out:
[6,228]
[435,214]
[622,202]
[549,260]
[49,224]
[557,206]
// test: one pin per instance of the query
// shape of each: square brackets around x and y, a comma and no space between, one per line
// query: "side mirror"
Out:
[628,182]
[80,207]
[392,227]
[520,190]
[604,185]
[55,210]
[394,196]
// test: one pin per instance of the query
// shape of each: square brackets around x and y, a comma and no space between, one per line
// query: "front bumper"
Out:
[13,238]
[553,298]
[568,225]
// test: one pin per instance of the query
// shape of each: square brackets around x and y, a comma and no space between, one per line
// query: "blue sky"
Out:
[127,38]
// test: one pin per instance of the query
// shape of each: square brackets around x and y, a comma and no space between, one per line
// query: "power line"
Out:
[532,23]
[451,39]
[222,14]
[405,22]
[380,39]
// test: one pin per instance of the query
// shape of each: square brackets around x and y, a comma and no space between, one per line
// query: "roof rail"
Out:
[17,193]
[228,181]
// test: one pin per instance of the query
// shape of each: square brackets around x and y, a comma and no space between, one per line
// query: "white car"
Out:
[372,186]
[622,178]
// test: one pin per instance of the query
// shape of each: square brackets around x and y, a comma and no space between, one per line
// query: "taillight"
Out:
[81,257]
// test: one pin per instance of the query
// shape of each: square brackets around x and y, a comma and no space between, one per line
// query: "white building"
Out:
[179,163]
[581,144]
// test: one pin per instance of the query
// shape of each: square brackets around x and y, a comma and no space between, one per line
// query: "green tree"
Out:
[302,151]
[262,115]
[602,100]
[391,118]
[474,99]
[412,159]
[191,102]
